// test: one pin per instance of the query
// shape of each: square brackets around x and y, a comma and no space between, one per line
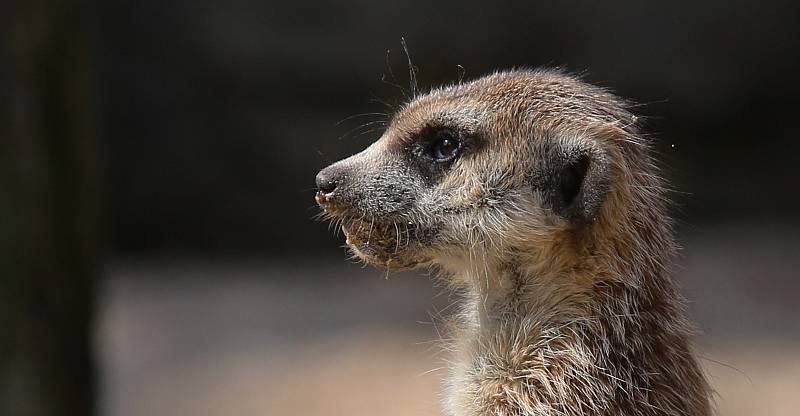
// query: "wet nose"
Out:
[327,181]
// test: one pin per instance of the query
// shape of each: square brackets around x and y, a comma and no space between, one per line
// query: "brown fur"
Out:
[562,316]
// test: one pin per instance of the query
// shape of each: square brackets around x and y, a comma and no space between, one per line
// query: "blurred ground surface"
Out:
[295,337]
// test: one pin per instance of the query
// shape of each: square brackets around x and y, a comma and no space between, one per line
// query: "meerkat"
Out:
[535,194]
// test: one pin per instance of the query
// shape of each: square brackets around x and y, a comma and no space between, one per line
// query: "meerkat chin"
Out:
[536,194]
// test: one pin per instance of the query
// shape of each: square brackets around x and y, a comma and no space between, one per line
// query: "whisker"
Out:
[375,99]
[353,130]
[412,70]
[367,132]
[324,158]
[461,72]
[360,115]
[394,79]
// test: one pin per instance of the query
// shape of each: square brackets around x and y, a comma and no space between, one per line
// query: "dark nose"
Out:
[326,181]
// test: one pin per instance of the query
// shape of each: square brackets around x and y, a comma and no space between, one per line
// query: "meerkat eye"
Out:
[445,147]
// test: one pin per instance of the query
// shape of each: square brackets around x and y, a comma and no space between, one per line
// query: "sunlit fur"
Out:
[560,317]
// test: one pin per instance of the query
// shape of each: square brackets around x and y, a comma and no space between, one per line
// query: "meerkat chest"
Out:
[523,367]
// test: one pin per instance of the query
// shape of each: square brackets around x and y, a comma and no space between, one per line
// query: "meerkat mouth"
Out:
[392,243]
[363,231]
[372,234]
[388,244]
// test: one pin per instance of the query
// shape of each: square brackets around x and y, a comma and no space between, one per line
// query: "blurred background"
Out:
[157,163]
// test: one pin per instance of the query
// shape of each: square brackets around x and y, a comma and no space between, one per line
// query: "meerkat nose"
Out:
[325,183]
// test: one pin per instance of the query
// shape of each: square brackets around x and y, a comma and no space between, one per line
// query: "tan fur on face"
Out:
[561,316]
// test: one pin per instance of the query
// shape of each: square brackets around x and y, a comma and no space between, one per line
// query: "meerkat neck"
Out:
[503,290]
[613,340]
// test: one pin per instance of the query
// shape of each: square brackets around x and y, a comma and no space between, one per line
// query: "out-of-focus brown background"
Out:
[157,160]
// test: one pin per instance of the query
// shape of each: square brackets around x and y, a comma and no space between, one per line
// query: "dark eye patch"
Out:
[445,147]
[434,149]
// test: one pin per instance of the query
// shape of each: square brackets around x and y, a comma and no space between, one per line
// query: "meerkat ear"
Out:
[574,176]
[580,186]
[570,180]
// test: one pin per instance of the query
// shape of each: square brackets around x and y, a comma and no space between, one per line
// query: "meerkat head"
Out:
[514,163]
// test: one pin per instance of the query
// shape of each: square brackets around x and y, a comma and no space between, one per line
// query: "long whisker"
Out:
[354,116]
[412,70]
[375,99]
[355,129]
[394,82]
